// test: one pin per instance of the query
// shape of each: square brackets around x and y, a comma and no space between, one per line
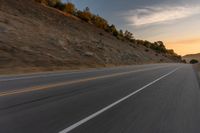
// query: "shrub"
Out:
[53,3]
[194,61]
[147,44]
[121,33]
[171,52]
[112,29]
[85,15]
[99,22]
[115,33]
[159,47]
[133,41]
[184,61]
[60,6]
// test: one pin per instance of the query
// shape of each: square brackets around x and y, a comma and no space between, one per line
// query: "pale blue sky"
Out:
[172,21]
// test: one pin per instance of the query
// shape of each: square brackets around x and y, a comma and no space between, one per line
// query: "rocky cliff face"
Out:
[35,37]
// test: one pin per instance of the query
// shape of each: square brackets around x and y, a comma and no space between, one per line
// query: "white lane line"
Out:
[53,75]
[77,124]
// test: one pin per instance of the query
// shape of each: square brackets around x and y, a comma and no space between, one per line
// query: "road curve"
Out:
[159,98]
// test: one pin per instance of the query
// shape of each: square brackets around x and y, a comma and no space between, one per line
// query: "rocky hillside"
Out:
[189,57]
[34,37]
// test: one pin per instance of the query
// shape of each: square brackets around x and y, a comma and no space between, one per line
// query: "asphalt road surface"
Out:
[159,98]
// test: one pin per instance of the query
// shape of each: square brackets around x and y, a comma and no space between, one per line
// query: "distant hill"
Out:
[34,37]
[189,57]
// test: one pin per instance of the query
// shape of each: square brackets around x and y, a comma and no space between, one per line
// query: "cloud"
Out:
[154,15]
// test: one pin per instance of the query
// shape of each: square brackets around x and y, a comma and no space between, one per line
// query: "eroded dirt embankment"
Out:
[37,38]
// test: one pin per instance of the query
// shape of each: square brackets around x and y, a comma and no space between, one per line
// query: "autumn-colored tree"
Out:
[53,3]
[99,22]
[70,8]
[85,15]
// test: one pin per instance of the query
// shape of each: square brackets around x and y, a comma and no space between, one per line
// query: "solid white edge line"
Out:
[70,128]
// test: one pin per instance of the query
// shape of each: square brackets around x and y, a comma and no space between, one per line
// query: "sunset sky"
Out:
[176,22]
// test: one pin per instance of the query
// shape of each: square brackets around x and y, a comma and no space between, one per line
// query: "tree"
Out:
[121,33]
[85,15]
[87,9]
[112,29]
[147,44]
[171,52]
[159,47]
[70,8]
[194,61]
[53,3]
[99,22]
[59,6]
[128,35]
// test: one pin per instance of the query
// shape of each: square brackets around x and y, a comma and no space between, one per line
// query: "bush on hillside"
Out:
[121,33]
[194,61]
[60,6]
[99,22]
[85,15]
[159,47]
[112,29]
[53,3]
[170,51]
[184,61]
[147,44]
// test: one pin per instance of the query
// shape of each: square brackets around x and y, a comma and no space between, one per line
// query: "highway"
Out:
[156,98]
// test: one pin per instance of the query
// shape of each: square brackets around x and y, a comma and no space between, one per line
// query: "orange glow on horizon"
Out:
[183,47]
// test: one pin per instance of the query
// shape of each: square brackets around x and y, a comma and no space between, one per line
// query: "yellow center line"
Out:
[44,87]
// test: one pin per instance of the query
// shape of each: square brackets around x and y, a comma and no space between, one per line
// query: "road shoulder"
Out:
[197,69]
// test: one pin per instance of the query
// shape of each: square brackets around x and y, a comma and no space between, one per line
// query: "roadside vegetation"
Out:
[87,16]
[194,61]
